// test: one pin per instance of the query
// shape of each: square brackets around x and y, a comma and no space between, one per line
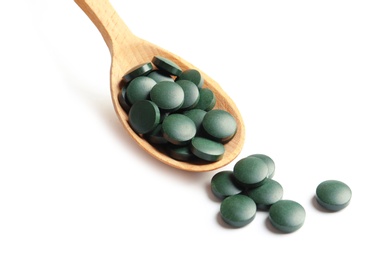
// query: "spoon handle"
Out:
[113,29]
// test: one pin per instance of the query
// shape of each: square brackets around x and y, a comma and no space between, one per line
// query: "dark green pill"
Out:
[267,194]
[250,172]
[220,125]
[180,153]
[178,129]
[270,163]
[138,70]
[333,195]
[194,76]
[191,94]
[122,99]
[238,210]
[144,116]
[207,149]
[167,65]
[223,185]
[156,136]
[207,99]
[197,116]
[159,76]
[164,114]
[168,96]
[139,89]
[287,215]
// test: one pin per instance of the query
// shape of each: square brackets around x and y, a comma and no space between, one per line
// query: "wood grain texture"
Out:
[127,51]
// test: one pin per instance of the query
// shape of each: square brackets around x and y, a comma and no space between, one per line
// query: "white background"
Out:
[311,78]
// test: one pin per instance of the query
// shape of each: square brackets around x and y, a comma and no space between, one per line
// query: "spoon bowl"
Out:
[128,51]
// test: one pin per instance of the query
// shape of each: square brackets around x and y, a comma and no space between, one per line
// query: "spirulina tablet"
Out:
[207,149]
[156,136]
[139,89]
[192,75]
[191,94]
[168,96]
[159,75]
[144,116]
[138,70]
[287,215]
[270,163]
[220,125]
[267,194]
[333,195]
[250,172]
[197,116]
[223,185]
[178,129]
[167,65]
[180,153]
[238,210]
[122,99]
[207,99]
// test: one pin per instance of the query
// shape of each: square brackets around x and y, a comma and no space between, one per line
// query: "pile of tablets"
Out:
[249,187]
[171,109]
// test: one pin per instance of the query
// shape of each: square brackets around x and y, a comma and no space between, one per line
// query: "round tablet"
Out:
[194,76]
[159,76]
[287,215]
[178,129]
[270,163]
[180,153]
[222,185]
[144,116]
[220,125]
[139,89]
[122,99]
[250,172]
[207,99]
[156,136]
[333,195]
[197,116]
[191,93]
[207,149]
[166,65]
[164,114]
[267,194]
[138,70]
[168,96]
[238,210]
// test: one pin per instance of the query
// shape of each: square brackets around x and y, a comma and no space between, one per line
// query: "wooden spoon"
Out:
[127,51]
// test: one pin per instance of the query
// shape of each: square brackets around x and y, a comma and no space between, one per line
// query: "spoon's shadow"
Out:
[104,107]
